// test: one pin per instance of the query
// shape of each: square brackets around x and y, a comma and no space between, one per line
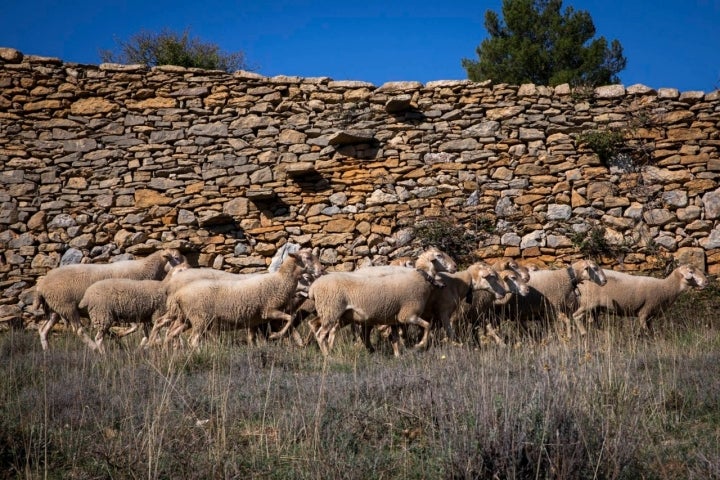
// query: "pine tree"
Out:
[537,43]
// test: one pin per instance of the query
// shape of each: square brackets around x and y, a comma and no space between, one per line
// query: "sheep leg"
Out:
[155,331]
[132,329]
[395,340]
[314,324]
[45,329]
[568,325]
[492,333]
[283,331]
[77,326]
[365,332]
[579,319]
[99,338]
[449,330]
[321,334]
[175,329]
[416,320]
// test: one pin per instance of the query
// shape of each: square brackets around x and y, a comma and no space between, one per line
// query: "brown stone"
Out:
[238,207]
[691,255]
[42,105]
[599,190]
[381,229]
[340,225]
[695,187]
[37,221]
[152,103]
[577,200]
[93,105]
[149,198]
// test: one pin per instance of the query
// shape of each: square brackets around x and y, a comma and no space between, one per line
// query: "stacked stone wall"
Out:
[109,160]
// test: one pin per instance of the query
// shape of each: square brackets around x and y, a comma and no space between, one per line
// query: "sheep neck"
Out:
[428,278]
[573,277]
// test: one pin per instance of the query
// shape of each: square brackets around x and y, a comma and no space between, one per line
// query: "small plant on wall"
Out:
[594,244]
[452,238]
[621,146]
[606,144]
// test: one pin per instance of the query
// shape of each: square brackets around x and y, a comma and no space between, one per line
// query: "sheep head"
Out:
[173,256]
[514,282]
[692,276]
[312,268]
[510,264]
[485,278]
[589,270]
[436,261]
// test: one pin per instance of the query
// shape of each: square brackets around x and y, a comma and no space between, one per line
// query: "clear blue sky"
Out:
[668,43]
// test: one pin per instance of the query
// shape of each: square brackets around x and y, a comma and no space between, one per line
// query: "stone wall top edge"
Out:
[13,59]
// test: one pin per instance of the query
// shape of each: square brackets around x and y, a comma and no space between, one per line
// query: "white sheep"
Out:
[462,289]
[60,291]
[398,296]
[243,303]
[313,269]
[123,300]
[430,262]
[484,306]
[503,264]
[637,295]
[554,293]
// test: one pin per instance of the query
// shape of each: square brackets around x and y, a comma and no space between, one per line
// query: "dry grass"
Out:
[610,405]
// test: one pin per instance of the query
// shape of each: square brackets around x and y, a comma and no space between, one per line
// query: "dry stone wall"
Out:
[110,160]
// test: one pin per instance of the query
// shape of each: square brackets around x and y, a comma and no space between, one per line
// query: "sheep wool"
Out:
[243,303]
[638,296]
[61,290]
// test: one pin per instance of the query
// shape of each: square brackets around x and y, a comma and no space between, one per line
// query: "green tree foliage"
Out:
[536,42]
[172,48]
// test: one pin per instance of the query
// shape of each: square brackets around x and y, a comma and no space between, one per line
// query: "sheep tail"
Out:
[39,302]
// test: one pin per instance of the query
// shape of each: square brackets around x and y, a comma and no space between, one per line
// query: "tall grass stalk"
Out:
[610,405]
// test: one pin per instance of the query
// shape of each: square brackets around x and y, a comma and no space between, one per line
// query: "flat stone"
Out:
[658,216]
[10,55]
[610,91]
[145,198]
[300,168]
[398,103]
[504,113]
[92,106]
[459,145]
[260,193]
[351,137]
[559,212]
[217,129]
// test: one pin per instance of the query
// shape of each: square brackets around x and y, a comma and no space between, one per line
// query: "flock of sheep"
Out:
[162,292]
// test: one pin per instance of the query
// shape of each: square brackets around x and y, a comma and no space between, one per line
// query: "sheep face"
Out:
[312,268]
[693,276]
[440,260]
[181,267]
[484,278]
[515,283]
[591,271]
[173,257]
[522,272]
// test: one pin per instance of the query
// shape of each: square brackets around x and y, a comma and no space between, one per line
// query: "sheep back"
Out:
[243,302]
[371,300]
[121,299]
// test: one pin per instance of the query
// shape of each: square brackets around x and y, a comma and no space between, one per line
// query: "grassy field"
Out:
[609,405]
